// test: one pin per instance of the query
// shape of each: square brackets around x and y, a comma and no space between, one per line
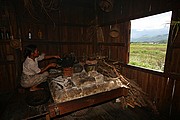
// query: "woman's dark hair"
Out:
[29,49]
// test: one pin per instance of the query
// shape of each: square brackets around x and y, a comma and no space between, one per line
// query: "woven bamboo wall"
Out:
[115,48]
[8,67]
[158,87]
[172,65]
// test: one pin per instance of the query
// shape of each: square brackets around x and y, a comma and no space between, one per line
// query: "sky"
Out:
[153,22]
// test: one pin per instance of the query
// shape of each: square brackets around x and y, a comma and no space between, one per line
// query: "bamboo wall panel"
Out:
[8,72]
[77,15]
[176,100]
[33,28]
[158,87]
[133,9]
[172,66]
[74,15]
[137,8]
[78,50]
[115,47]
[64,34]
[52,33]
[4,81]
[175,61]
[89,34]
[122,28]
[69,34]
[12,76]
[68,25]
[166,105]
[175,70]
[112,52]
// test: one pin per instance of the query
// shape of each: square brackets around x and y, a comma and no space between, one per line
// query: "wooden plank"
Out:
[77,104]
[176,101]
[161,91]
[111,44]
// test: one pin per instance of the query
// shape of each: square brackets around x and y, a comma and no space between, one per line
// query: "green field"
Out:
[151,56]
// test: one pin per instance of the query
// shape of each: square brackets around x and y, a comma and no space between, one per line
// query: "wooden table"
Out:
[84,102]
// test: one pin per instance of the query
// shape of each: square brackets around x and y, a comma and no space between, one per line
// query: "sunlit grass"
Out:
[146,55]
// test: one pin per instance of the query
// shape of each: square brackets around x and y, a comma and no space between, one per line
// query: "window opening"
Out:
[148,41]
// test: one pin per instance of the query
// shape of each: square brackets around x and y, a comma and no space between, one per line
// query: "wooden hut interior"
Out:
[83,28]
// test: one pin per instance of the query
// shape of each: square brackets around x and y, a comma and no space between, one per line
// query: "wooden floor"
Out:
[14,107]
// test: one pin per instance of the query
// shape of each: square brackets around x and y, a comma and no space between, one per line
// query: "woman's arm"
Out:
[51,65]
[49,57]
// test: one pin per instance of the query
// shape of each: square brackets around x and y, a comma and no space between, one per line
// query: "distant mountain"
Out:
[156,39]
[151,32]
[156,35]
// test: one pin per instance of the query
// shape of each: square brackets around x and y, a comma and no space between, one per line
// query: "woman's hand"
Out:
[52,65]
[57,56]
[52,56]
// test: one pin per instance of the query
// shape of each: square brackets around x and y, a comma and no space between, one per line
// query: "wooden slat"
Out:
[158,87]
[84,102]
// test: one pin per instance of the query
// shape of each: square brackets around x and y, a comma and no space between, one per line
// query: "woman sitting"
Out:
[32,75]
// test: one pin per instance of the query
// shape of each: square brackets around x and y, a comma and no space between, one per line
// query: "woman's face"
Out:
[36,53]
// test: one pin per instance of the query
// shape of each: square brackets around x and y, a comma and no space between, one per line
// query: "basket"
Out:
[114,32]
[106,5]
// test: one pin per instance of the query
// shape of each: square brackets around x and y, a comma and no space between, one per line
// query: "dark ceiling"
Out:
[79,3]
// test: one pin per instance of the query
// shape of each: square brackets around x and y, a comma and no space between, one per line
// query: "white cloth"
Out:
[30,76]
[33,80]
[30,67]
